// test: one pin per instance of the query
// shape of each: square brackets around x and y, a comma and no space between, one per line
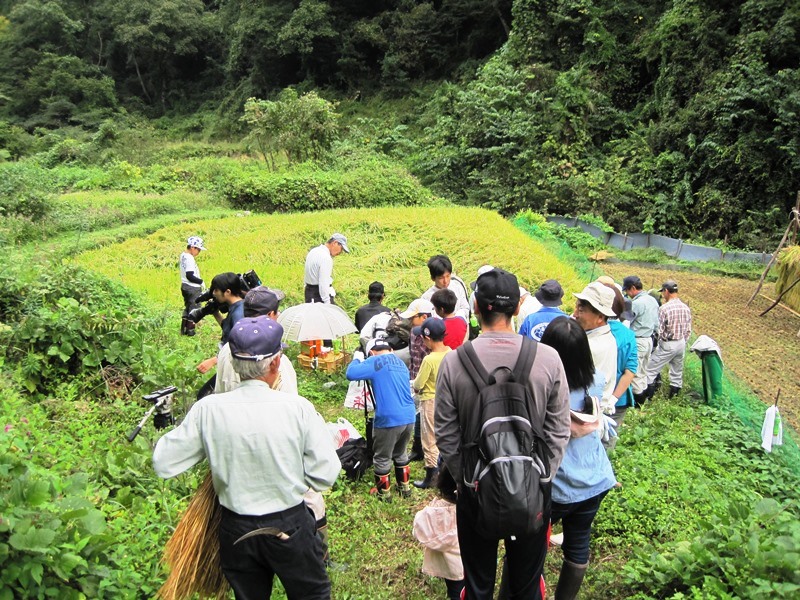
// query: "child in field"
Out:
[432,331]
[435,528]
[444,303]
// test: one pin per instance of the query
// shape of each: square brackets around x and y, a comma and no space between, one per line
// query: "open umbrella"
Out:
[315,321]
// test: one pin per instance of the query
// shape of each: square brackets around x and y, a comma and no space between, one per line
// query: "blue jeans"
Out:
[577,520]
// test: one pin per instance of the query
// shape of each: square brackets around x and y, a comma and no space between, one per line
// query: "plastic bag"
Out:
[341,431]
[357,394]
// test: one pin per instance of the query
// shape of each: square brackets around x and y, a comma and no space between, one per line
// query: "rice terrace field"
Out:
[695,483]
[762,351]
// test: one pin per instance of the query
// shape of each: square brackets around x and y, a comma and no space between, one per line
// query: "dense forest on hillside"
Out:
[676,116]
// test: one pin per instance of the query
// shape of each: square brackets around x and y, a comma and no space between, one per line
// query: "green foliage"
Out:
[304,127]
[22,193]
[362,183]
[67,323]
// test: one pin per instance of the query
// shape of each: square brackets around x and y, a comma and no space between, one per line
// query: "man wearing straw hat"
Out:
[265,449]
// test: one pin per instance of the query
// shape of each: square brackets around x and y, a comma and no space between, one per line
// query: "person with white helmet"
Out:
[191,282]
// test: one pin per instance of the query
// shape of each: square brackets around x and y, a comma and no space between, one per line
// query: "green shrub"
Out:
[23,192]
[67,322]
[371,183]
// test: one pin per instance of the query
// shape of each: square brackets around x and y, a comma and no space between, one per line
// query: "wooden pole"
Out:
[794,223]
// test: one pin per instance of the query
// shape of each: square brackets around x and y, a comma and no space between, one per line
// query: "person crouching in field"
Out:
[432,331]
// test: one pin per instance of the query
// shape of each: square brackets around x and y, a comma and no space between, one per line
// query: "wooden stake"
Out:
[783,293]
[794,224]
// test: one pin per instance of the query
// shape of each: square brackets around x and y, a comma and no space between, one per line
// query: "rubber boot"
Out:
[674,390]
[402,474]
[431,479]
[322,534]
[187,326]
[570,580]
[383,488]
[416,447]
[640,399]
[416,450]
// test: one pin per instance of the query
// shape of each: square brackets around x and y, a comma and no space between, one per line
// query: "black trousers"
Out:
[250,566]
[312,294]
[524,557]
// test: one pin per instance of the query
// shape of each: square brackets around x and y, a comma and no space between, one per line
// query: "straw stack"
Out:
[192,553]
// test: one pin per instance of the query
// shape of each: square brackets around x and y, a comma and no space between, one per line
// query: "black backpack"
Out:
[398,331]
[507,467]
[355,457]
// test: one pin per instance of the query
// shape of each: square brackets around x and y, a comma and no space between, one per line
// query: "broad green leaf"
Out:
[33,540]
[94,522]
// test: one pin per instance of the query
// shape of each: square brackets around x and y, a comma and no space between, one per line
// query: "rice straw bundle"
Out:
[192,553]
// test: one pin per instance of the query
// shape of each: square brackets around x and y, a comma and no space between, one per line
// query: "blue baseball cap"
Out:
[431,327]
[255,338]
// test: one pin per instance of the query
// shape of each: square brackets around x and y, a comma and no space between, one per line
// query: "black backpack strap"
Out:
[525,360]
[473,365]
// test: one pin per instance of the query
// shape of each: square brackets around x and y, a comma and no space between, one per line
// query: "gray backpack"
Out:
[507,466]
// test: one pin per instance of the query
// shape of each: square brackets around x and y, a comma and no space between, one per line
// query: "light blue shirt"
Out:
[265,448]
[389,376]
[585,471]
[627,357]
[645,315]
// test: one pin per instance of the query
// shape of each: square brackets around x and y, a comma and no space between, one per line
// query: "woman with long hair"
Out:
[585,475]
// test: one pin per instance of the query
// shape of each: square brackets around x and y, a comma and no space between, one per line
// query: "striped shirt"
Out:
[674,321]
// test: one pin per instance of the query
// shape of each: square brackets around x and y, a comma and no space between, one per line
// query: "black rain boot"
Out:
[402,474]
[640,399]
[383,488]
[570,580]
[416,450]
[431,479]
[674,390]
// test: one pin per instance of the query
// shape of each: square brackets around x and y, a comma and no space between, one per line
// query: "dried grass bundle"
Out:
[192,553]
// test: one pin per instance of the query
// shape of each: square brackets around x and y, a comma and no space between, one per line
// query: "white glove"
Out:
[358,355]
[608,428]
[331,292]
[608,404]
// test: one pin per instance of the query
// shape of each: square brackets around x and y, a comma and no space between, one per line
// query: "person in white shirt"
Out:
[191,282]
[265,449]
[441,271]
[592,310]
[318,276]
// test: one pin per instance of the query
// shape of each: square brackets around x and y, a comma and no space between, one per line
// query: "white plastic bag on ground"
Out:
[341,431]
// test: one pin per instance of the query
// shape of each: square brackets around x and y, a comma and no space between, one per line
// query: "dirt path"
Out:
[763,351]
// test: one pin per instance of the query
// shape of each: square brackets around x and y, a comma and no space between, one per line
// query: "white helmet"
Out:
[195,242]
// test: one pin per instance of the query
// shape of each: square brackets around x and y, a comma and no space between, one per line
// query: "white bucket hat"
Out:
[599,296]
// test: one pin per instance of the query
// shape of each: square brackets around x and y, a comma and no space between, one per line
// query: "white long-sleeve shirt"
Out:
[265,448]
[459,288]
[319,271]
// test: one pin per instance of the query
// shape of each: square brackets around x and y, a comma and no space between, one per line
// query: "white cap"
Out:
[338,237]
[195,242]
[418,306]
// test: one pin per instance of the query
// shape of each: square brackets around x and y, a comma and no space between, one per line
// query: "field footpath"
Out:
[762,351]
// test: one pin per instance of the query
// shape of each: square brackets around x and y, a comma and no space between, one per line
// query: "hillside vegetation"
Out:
[676,117]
